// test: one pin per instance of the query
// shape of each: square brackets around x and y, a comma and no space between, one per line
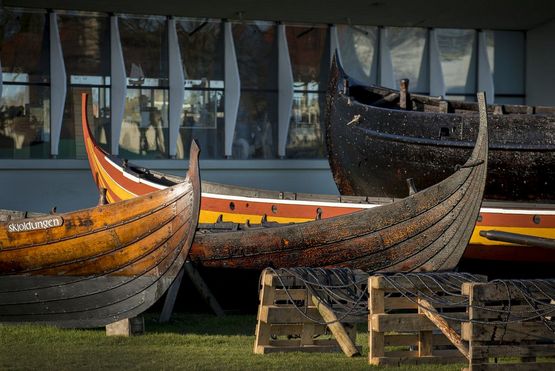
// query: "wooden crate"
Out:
[495,345]
[284,319]
[402,331]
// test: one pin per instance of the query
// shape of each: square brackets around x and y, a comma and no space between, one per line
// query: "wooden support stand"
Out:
[283,323]
[409,324]
[126,327]
[200,285]
[515,345]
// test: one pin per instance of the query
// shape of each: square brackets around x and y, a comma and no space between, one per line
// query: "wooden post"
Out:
[267,294]
[473,303]
[336,328]
[171,296]
[376,340]
[425,339]
[404,97]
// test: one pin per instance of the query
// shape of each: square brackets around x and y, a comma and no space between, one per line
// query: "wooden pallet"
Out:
[283,326]
[404,329]
[516,345]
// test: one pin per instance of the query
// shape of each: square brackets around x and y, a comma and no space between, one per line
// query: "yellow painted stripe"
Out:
[212,217]
[114,186]
[537,232]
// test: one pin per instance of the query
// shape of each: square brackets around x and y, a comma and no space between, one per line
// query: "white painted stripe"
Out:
[489,210]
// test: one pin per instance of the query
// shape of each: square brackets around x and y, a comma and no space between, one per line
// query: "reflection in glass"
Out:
[407,56]
[202,52]
[457,54]
[144,131]
[358,50]
[310,57]
[25,121]
[25,101]
[25,46]
[256,127]
[85,42]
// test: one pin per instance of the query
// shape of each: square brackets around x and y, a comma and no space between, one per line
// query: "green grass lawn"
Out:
[190,341]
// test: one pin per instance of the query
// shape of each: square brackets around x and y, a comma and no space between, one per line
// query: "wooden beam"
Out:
[171,296]
[428,310]
[345,342]
[203,288]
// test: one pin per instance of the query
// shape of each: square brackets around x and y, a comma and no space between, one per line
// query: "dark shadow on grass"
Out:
[202,324]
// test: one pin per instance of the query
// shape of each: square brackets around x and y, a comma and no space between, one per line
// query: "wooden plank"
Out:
[400,303]
[295,294]
[526,350]
[307,335]
[409,322]
[384,283]
[442,324]
[401,361]
[412,339]
[498,312]
[203,288]
[336,328]
[294,329]
[448,353]
[307,349]
[498,291]
[508,332]
[278,314]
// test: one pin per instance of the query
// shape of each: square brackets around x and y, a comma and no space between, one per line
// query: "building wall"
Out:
[540,69]
[37,186]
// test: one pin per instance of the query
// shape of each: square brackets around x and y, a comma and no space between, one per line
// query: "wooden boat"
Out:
[378,137]
[95,266]
[241,205]
[428,230]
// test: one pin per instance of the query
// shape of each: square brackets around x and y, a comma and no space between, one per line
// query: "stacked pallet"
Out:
[292,319]
[405,327]
[511,324]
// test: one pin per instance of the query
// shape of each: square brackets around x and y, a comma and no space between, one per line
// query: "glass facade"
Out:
[201,44]
[85,41]
[309,51]
[144,131]
[25,101]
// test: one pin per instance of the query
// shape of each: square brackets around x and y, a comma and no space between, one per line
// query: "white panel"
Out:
[177,87]
[334,44]
[118,86]
[285,90]
[437,84]
[232,89]
[485,76]
[58,85]
[387,78]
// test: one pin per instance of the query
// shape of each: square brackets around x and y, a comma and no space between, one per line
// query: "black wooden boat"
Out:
[427,231]
[92,267]
[378,137]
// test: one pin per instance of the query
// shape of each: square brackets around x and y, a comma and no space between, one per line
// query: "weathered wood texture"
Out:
[408,321]
[126,327]
[96,266]
[515,344]
[284,321]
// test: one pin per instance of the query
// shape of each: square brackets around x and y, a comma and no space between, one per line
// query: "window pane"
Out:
[358,50]
[509,62]
[203,119]
[144,132]
[256,49]
[256,129]
[86,47]
[25,47]
[310,55]
[306,134]
[457,54]
[144,44]
[407,56]
[202,51]
[25,121]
